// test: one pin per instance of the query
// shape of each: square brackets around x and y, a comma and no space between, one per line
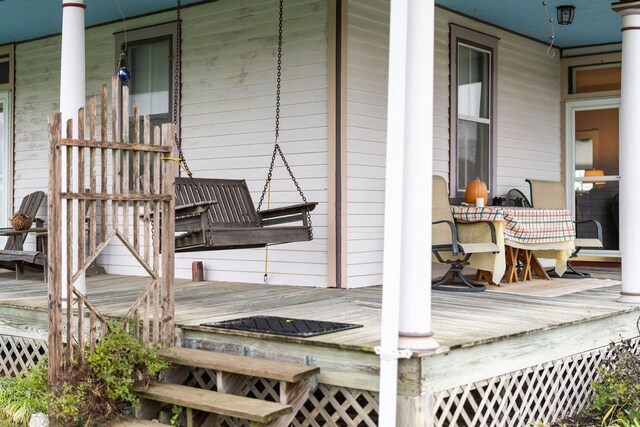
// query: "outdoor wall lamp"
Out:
[565,14]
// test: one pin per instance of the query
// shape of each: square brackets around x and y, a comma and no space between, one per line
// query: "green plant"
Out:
[120,361]
[617,389]
[176,413]
[88,392]
[624,423]
[24,395]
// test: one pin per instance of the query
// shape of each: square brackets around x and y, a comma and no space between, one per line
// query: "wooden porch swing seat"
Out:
[444,234]
[551,195]
[216,214]
[13,256]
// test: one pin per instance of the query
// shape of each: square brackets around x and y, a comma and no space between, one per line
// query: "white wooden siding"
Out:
[529,121]
[366,74]
[229,50]
[228,119]
[529,105]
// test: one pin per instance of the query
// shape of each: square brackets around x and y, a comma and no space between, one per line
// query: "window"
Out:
[595,78]
[6,133]
[473,109]
[6,67]
[150,60]
[5,157]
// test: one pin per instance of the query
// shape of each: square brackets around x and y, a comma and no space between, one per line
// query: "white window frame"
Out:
[464,36]
[6,156]
[571,107]
[149,34]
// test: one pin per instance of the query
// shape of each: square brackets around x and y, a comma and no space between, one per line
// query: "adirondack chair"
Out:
[215,214]
[13,256]
[551,195]
[444,234]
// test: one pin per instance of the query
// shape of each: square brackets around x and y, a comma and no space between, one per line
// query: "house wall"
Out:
[366,72]
[529,120]
[228,119]
[229,55]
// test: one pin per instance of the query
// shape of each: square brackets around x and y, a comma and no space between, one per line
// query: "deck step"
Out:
[246,408]
[250,366]
[133,422]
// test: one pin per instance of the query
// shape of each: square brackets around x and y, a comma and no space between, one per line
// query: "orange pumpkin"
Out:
[475,190]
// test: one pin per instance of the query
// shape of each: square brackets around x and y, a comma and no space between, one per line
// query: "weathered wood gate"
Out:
[126,181]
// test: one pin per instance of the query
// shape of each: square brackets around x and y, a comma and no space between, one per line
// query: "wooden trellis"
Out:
[126,181]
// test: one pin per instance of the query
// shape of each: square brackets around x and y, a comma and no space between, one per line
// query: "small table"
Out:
[41,233]
[523,231]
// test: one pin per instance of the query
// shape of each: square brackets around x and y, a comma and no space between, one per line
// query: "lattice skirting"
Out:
[546,392]
[326,406]
[18,354]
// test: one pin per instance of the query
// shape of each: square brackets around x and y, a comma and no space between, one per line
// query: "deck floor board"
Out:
[459,319]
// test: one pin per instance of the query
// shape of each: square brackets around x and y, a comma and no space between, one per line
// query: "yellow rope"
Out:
[180,163]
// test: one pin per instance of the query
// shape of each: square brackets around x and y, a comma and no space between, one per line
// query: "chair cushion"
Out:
[588,243]
[483,247]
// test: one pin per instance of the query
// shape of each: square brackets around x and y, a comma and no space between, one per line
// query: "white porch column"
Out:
[630,150]
[406,294]
[72,97]
[417,168]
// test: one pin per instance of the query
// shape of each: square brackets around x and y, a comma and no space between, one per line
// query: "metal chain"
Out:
[276,145]
[176,86]
[208,234]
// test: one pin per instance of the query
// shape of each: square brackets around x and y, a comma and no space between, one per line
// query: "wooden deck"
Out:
[494,330]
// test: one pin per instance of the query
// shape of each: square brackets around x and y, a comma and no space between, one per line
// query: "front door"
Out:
[593,166]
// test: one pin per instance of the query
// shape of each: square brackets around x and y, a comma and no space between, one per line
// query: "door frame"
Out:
[571,107]
[6,156]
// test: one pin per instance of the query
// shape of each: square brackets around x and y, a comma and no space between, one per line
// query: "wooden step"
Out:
[246,408]
[250,366]
[133,422]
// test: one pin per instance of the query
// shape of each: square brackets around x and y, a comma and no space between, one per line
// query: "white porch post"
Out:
[630,150]
[406,294]
[415,281]
[72,97]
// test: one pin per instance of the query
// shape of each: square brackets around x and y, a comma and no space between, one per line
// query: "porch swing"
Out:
[216,214]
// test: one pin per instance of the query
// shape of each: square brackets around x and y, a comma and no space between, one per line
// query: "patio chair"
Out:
[445,240]
[551,195]
[13,256]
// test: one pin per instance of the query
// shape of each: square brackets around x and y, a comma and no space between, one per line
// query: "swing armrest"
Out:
[193,209]
[286,214]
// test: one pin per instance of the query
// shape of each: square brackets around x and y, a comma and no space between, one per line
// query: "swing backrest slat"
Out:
[232,206]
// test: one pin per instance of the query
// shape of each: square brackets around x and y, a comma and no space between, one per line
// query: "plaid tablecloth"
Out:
[523,225]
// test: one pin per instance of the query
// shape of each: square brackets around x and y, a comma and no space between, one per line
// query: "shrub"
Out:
[86,392]
[617,390]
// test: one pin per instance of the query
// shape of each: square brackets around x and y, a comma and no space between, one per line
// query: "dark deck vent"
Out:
[282,326]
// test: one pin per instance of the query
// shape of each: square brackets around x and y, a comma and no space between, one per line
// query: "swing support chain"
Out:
[181,160]
[276,145]
[176,87]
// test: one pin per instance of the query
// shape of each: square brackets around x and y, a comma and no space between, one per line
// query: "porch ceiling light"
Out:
[565,14]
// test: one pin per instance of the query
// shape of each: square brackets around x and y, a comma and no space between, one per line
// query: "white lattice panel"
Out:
[546,392]
[18,354]
[326,406]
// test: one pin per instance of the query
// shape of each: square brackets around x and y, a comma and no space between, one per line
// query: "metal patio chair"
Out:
[551,195]
[445,241]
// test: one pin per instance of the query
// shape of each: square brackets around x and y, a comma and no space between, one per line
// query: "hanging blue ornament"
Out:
[124,74]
